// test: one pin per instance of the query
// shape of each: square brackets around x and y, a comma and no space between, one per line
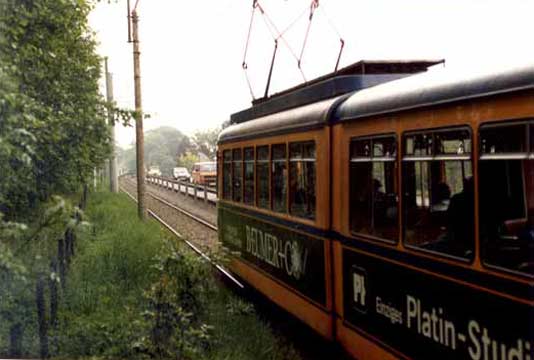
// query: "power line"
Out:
[278,36]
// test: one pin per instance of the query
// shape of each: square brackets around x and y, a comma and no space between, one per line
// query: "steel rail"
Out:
[186,213]
[189,243]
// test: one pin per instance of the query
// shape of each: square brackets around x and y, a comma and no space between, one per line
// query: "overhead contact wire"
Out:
[244,64]
[314,5]
[341,40]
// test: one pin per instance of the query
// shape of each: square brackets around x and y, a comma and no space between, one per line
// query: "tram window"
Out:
[439,192]
[506,197]
[227,174]
[262,176]
[249,176]
[279,177]
[237,175]
[418,145]
[373,187]
[302,179]
[501,140]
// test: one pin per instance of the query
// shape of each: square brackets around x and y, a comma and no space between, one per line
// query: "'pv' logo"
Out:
[359,288]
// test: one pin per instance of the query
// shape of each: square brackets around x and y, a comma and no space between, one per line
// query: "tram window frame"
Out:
[227,170]
[260,180]
[302,160]
[370,157]
[249,197]
[468,181]
[275,164]
[508,230]
[237,186]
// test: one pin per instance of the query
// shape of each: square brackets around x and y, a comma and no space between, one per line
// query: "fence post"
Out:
[195,192]
[205,193]
[41,316]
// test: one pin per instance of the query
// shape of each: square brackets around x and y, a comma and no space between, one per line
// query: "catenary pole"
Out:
[141,207]
[113,181]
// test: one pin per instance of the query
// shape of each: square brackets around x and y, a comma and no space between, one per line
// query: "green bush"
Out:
[113,266]
[135,292]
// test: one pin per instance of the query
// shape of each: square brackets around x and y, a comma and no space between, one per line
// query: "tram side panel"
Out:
[284,257]
[288,267]
[393,302]
[426,316]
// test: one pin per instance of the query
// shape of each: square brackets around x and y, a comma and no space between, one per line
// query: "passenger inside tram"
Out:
[460,214]
[439,192]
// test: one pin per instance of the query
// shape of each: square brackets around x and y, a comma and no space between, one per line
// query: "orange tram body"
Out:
[392,212]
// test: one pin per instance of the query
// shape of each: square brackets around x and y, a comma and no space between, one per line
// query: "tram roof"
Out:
[304,117]
[439,86]
[357,76]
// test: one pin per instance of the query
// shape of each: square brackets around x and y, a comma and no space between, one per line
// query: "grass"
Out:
[109,306]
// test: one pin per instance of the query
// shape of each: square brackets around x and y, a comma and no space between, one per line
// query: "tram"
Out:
[390,208]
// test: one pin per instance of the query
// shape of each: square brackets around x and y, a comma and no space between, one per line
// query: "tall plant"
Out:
[49,50]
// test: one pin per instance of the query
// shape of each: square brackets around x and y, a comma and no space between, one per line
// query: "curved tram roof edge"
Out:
[304,117]
[436,87]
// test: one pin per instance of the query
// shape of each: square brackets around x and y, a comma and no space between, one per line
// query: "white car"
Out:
[181,173]
[154,171]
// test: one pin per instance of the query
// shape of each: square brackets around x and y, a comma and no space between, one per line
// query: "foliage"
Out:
[206,141]
[114,264]
[187,160]
[162,147]
[133,292]
[49,53]
[166,147]
[17,147]
[241,334]
[176,304]
[53,133]
[19,273]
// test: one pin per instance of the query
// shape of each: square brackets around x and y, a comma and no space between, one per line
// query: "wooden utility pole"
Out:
[113,180]
[141,207]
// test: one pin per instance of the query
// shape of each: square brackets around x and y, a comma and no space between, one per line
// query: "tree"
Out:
[187,160]
[49,51]
[162,147]
[205,141]
[53,132]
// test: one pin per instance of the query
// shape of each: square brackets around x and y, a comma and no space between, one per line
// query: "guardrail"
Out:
[197,192]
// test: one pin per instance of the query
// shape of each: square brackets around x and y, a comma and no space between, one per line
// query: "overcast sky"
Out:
[191,51]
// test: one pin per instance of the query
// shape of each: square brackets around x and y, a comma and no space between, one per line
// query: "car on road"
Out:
[154,171]
[181,173]
[204,173]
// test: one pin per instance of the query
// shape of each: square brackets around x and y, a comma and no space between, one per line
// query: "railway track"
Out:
[195,247]
[185,212]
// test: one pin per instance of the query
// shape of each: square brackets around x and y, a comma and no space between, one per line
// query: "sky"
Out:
[192,52]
